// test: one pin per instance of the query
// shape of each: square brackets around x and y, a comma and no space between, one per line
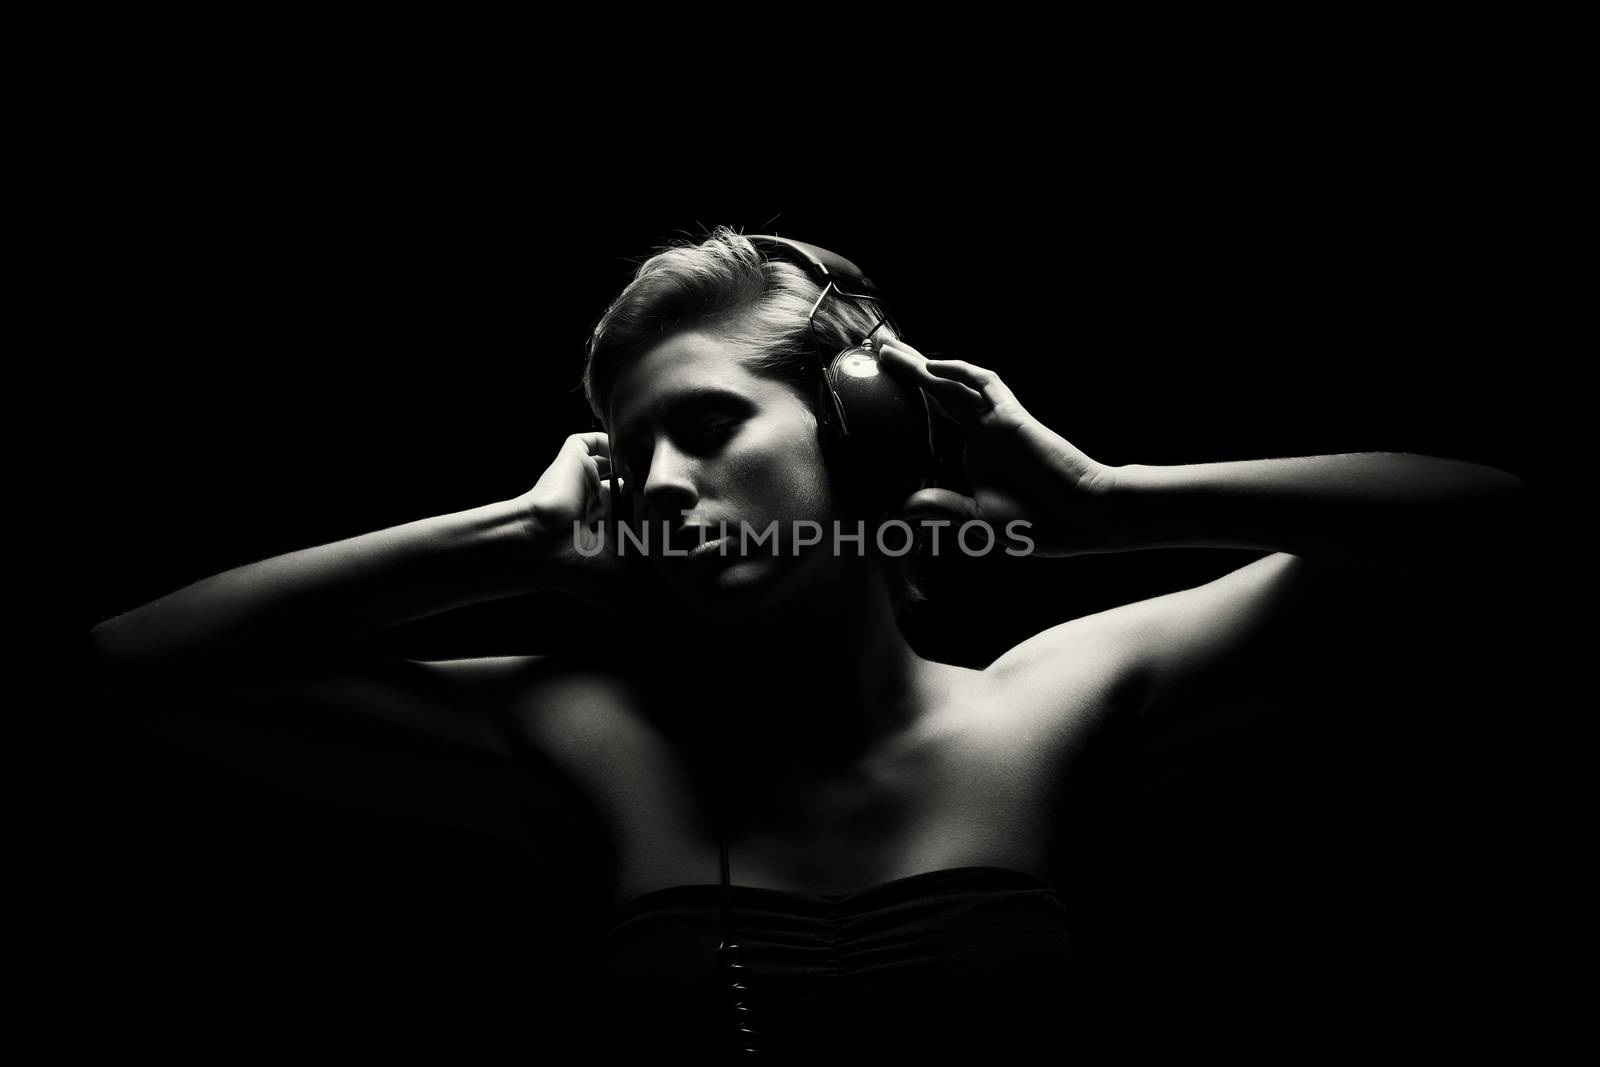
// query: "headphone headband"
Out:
[826,266]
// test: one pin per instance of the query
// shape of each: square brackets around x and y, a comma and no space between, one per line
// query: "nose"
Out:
[669,487]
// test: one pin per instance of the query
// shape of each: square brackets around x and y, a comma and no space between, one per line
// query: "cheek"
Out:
[784,472]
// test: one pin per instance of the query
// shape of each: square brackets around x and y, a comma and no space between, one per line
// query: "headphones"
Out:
[876,433]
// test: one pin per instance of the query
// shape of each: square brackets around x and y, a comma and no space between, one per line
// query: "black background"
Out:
[320,328]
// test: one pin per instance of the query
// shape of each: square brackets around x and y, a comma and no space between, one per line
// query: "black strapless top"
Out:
[966,958]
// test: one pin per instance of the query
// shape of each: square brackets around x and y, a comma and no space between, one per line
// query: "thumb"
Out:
[939,504]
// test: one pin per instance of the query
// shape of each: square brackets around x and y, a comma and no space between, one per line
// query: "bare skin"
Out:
[854,760]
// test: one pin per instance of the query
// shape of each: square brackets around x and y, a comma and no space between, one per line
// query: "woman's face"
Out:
[701,439]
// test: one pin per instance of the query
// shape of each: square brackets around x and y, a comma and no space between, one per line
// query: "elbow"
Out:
[1501,512]
[1506,488]
[107,669]
[103,652]
[110,660]
[118,657]
[1482,531]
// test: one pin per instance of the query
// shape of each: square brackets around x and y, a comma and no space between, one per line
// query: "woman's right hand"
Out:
[568,512]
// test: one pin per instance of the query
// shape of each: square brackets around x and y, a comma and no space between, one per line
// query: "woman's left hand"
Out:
[1018,467]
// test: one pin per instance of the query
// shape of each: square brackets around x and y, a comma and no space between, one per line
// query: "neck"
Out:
[812,695]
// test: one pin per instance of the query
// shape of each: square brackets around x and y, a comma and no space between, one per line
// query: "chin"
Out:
[749,590]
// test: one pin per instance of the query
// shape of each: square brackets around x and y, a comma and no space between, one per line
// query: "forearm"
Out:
[1348,508]
[330,593]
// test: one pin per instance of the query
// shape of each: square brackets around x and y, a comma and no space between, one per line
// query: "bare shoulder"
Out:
[570,708]
[1021,722]
[1074,674]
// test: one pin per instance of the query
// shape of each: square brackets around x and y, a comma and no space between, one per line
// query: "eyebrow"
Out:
[679,403]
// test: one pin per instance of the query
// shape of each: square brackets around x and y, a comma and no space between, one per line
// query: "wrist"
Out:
[1120,492]
[511,533]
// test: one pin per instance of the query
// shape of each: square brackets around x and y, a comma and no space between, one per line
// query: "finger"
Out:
[904,346]
[995,392]
[940,504]
[939,408]
[958,402]
[592,442]
[597,471]
[955,400]
[592,473]
[903,359]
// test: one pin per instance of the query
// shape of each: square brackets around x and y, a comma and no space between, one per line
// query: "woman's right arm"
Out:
[306,601]
[261,666]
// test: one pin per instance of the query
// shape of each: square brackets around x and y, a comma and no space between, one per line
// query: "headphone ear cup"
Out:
[842,467]
[883,451]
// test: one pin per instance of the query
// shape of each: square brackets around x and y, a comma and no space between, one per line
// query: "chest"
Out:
[977,784]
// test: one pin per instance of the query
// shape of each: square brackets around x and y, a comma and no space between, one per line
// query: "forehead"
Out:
[678,365]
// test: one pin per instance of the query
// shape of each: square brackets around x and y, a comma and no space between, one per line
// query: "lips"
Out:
[710,548]
[695,539]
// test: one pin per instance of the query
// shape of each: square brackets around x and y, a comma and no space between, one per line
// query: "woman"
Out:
[869,834]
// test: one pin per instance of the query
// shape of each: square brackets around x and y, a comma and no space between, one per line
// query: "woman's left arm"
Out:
[1354,509]
[1320,518]
[1351,509]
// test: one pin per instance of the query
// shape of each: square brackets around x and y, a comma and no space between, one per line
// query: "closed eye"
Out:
[701,437]
[715,430]
[707,432]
